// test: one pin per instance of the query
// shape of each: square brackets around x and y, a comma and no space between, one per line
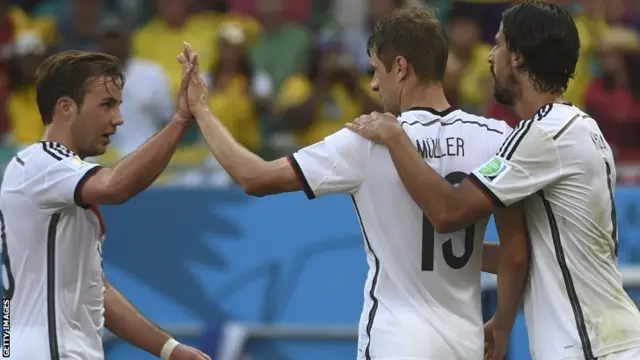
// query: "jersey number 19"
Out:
[428,238]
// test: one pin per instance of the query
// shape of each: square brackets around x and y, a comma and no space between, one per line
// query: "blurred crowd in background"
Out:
[286,73]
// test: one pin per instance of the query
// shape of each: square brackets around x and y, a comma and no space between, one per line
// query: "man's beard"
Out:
[505,94]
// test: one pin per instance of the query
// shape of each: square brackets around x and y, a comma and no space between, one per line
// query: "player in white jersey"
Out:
[560,165]
[50,226]
[422,293]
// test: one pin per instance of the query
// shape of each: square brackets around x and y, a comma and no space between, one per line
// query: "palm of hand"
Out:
[193,90]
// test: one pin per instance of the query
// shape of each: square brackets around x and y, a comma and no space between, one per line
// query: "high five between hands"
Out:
[193,93]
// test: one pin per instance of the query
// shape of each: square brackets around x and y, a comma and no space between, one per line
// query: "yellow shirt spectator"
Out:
[235,108]
[158,42]
[332,116]
[474,78]
[249,25]
[589,32]
[45,27]
[24,117]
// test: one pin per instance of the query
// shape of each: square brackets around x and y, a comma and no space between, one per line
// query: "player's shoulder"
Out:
[33,162]
[46,152]
[41,157]
[479,123]
[554,118]
[426,117]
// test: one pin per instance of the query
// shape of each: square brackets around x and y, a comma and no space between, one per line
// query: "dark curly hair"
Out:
[547,38]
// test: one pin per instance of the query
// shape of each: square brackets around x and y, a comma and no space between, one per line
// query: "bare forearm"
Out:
[434,195]
[142,167]
[241,164]
[512,277]
[491,254]
[122,319]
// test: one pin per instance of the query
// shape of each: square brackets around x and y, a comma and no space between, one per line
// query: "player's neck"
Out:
[430,96]
[60,135]
[531,101]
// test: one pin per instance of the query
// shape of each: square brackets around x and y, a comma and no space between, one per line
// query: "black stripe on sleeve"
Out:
[54,353]
[478,183]
[56,150]
[49,151]
[374,284]
[301,178]
[77,192]
[507,142]
[568,280]
[614,215]
[515,139]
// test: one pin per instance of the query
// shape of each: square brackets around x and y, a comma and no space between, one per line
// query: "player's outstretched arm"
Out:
[527,162]
[122,319]
[256,176]
[140,169]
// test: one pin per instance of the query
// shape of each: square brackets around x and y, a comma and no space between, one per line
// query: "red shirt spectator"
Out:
[614,99]
[617,110]
[502,112]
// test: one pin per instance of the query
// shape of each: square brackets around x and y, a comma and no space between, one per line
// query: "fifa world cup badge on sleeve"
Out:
[494,169]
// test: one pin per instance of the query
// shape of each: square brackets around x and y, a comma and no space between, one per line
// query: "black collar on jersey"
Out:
[432,110]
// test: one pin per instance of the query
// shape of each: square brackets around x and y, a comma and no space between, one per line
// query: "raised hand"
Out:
[197,92]
[189,63]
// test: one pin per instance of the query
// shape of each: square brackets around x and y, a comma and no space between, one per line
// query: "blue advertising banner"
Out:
[201,257]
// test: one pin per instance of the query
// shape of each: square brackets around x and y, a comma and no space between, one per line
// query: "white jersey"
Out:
[422,293]
[563,168]
[51,249]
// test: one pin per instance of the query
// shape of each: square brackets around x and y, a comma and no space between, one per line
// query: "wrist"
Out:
[181,118]
[168,348]
[503,322]
[200,110]
[393,134]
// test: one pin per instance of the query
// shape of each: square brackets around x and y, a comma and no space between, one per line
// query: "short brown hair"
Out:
[67,74]
[415,34]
